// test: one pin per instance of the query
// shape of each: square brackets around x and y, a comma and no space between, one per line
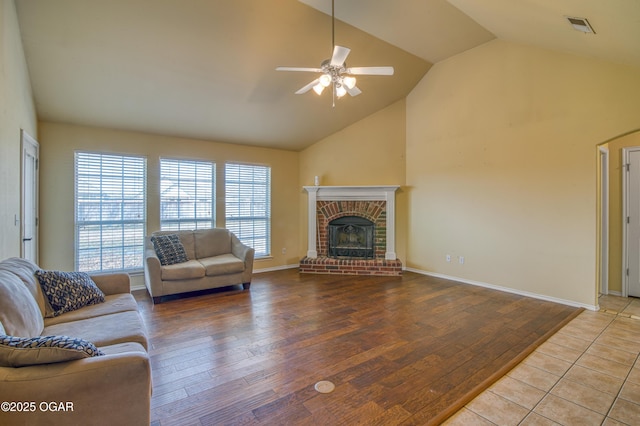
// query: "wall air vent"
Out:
[580,24]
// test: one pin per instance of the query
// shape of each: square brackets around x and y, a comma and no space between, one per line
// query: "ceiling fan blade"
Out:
[308,87]
[370,71]
[339,55]
[354,91]
[298,69]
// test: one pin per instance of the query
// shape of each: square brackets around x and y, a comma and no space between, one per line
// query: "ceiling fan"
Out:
[334,71]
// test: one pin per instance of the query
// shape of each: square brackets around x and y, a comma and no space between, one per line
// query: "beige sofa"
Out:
[216,258]
[114,388]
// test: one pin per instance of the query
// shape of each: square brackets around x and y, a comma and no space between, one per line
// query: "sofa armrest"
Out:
[152,272]
[246,254]
[116,283]
[109,389]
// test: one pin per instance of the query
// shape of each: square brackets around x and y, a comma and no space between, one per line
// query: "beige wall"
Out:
[58,142]
[615,207]
[17,112]
[501,162]
[495,150]
[369,152]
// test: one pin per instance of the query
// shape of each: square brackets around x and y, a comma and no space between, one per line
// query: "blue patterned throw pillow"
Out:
[169,249]
[23,351]
[68,291]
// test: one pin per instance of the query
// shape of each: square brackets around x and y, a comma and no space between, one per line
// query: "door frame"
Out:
[27,139]
[625,213]
[604,219]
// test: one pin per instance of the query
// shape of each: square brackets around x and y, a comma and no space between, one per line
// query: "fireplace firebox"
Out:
[351,237]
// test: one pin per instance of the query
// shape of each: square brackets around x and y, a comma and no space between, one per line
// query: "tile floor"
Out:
[588,373]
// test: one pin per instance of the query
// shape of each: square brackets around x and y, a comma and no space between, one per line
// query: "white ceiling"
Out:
[205,69]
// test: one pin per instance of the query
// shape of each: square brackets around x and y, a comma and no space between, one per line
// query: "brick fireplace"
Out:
[373,205]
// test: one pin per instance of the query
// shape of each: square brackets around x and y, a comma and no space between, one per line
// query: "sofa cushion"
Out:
[25,270]
[222,265]
[123,348]
[24,351]
[169,249]
[68,291]
[104,330]
[112,304]
[182,271]
[212,242]
[19,312]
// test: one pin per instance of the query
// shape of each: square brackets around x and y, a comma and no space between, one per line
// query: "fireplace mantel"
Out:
[358,193]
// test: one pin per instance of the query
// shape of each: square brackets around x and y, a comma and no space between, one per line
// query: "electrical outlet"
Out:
[448,258]
[284,250]
[461,259]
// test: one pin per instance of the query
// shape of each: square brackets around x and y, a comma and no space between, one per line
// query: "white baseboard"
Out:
[137,280]
[507,289]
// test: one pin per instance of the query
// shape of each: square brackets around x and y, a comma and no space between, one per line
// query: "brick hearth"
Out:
[328,265]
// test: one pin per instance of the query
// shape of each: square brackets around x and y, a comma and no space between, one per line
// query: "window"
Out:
[186,194]
[110,217]
[248,205]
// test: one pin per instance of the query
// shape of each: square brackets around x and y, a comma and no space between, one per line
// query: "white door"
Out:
[632,220]
[29,184]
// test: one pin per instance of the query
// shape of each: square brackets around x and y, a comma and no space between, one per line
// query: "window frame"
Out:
[251,239]
[210,220]
[138,203]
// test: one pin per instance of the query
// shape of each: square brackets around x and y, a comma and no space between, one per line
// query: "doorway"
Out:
[29,197]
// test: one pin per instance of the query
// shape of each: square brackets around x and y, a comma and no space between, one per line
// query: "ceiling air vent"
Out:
[580,24]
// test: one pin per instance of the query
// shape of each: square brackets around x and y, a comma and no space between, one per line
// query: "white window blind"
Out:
[248,205]
[186,194]
[110,211]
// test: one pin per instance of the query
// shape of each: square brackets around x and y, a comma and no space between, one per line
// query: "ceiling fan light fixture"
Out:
[332,71]
[325,80]
[349,81]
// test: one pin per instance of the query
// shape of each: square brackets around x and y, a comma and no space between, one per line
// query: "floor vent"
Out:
[324,386]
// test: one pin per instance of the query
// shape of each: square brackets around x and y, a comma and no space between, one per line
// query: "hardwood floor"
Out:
[400,350]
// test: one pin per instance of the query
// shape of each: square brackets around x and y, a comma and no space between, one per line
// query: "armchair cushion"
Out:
[68,291]
[169,249]
[24,351]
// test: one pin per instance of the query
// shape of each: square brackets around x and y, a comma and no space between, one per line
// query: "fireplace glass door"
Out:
[351,237]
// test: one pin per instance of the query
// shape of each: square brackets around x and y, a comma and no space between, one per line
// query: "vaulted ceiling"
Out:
[205,69]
